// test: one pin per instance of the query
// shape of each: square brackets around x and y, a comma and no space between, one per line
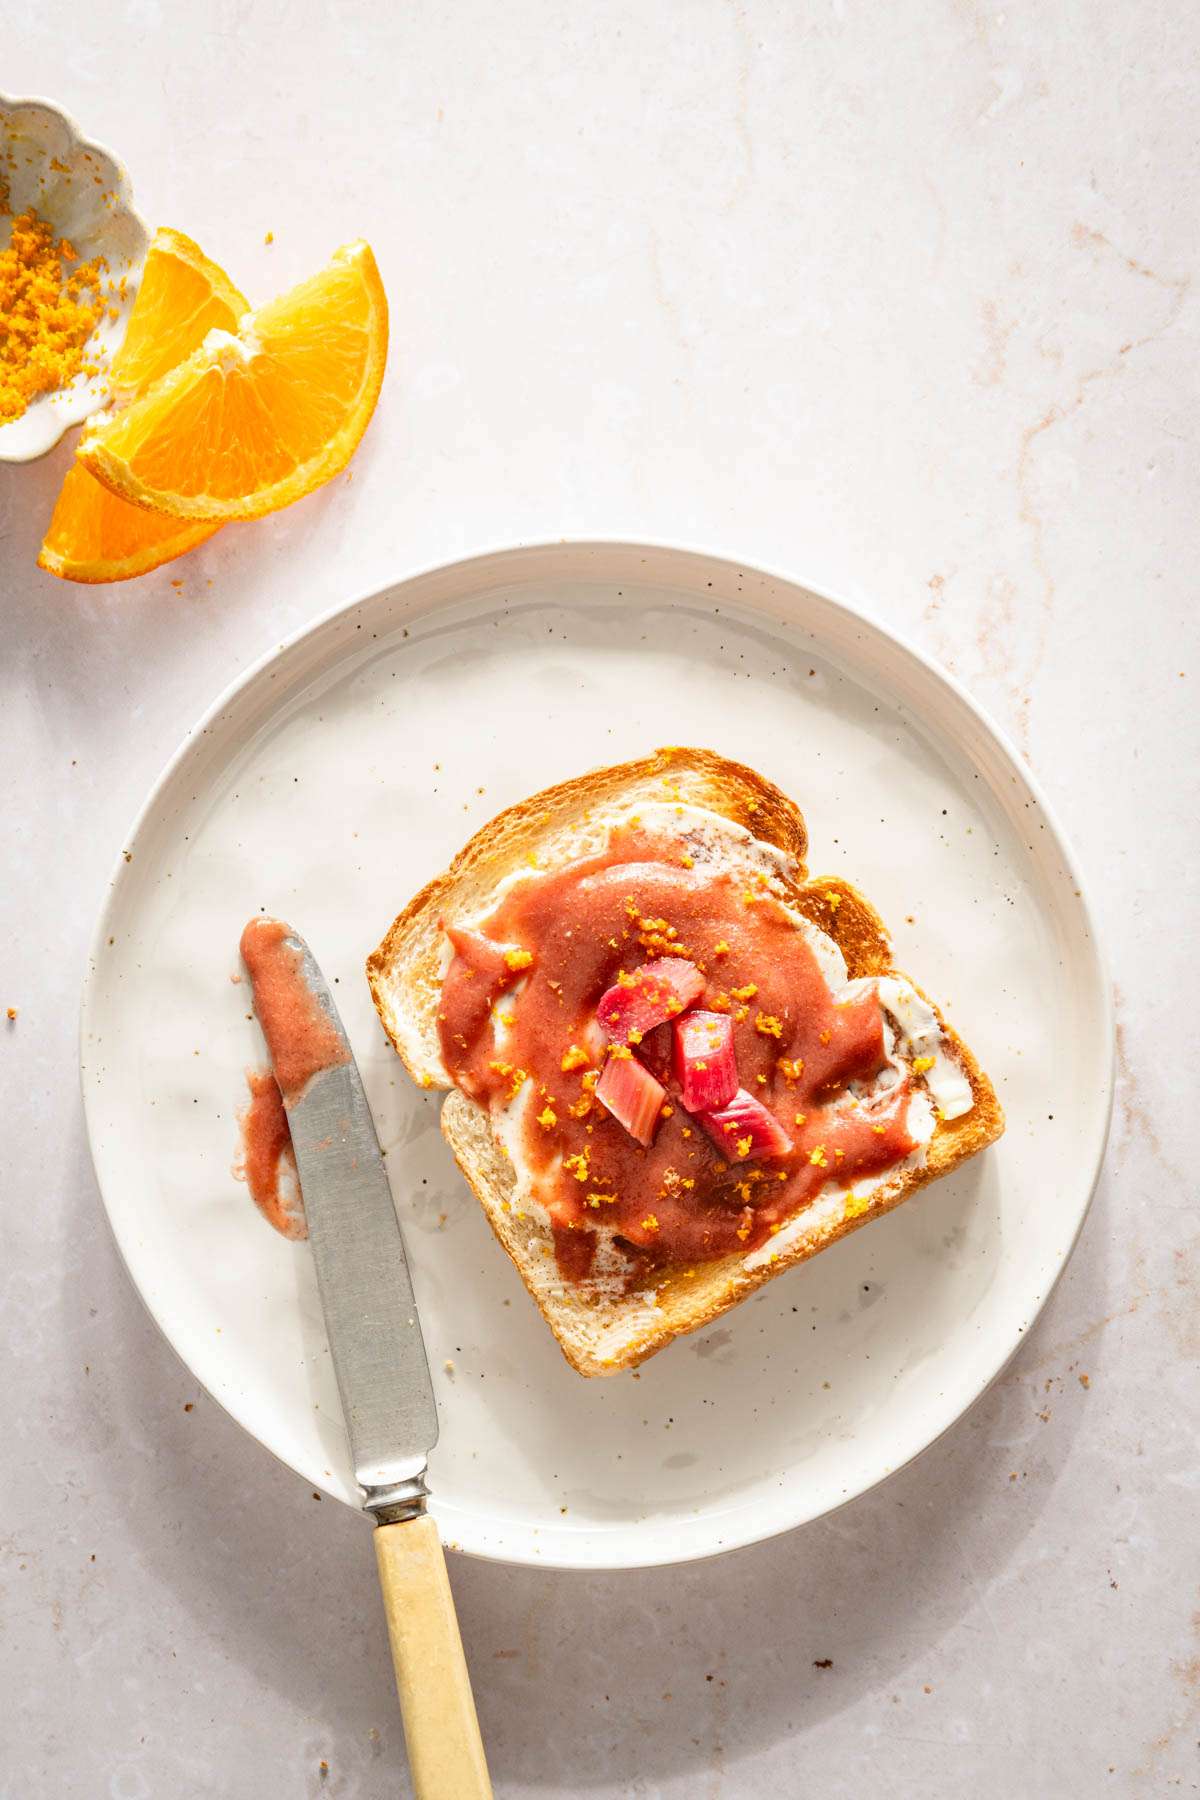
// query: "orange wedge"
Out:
[182,297]
[93,535]
[254,420]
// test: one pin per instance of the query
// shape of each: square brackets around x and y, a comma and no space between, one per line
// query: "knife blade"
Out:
[366,1290]
[378,1351]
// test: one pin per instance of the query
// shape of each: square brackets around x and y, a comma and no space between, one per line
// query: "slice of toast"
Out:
[601,1332]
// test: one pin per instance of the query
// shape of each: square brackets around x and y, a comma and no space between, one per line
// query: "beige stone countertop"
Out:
[901,299]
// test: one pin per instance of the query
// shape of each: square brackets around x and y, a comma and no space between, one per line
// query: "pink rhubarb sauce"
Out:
[266,1162]
[302,1042]
[677,1200]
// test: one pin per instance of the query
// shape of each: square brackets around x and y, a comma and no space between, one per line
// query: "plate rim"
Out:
[750,1532]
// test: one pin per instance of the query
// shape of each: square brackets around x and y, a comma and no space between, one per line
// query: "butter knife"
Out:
[387,1399]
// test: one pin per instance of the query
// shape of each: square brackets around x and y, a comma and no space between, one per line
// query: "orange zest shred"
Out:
[47,315]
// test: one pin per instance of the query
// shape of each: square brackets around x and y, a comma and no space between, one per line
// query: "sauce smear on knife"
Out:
[299,1035]
[302,1043]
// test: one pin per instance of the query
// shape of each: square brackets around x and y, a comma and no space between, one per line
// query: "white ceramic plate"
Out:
[342,772]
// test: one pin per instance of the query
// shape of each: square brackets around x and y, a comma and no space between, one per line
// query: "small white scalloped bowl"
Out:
[82,191]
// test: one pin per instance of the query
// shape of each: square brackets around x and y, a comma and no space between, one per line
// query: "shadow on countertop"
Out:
[580,1680]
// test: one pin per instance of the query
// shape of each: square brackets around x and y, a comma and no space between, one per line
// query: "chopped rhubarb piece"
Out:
[633,1097]
[657,991]
[745,1130]
[705,1065]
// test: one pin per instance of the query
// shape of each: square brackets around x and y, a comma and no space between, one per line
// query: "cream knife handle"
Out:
[445,1751]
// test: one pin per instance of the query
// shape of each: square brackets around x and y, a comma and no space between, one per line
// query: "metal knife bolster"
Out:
[362,1273]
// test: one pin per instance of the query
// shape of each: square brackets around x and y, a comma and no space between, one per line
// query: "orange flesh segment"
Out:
[183,296]
[95,537]
[251,423]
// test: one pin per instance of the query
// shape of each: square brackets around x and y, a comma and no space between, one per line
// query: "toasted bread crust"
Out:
[599,1336]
